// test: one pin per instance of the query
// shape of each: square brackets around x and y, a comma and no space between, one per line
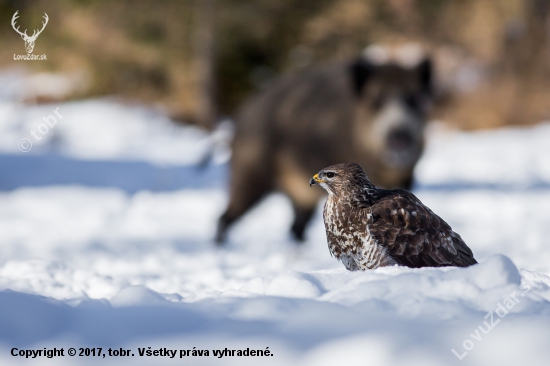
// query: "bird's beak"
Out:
[315,180]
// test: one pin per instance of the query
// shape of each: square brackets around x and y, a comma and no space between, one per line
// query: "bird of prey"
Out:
[368,227]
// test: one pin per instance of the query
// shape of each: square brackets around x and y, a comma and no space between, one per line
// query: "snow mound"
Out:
[340,315]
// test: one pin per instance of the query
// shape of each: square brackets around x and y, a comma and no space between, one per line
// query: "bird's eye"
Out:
[330,175]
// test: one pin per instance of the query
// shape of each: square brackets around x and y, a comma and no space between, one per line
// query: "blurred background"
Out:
[143,93]
[198,60]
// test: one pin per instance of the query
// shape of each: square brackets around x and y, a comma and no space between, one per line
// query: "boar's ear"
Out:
[425,71]
[360,70]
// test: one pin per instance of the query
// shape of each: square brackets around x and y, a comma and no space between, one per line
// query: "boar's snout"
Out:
[400,139]
[403,148]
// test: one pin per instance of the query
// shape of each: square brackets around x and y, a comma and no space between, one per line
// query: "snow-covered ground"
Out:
[100,254]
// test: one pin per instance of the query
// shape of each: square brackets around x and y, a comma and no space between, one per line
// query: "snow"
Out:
[19,84]
[106,130]
[96,253]
[505,158]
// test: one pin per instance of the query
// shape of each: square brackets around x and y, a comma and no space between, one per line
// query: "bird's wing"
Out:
[415,236]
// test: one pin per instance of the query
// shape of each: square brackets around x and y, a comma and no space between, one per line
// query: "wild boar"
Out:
[354,111]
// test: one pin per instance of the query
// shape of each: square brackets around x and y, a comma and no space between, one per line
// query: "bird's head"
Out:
[335,177]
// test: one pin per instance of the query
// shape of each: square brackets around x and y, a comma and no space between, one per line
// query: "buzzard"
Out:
[368,227]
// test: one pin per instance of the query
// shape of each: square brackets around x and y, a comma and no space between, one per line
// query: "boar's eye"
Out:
[330,175]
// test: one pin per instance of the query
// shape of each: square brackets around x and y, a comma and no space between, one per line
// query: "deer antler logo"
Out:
[29,41]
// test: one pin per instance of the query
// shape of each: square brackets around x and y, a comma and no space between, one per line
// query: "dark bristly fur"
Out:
[368,227]
[352,110]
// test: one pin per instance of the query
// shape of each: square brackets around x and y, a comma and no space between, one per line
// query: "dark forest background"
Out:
[199,59]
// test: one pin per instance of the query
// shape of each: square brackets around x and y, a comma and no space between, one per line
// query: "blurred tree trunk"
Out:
[527,60]
[204,44]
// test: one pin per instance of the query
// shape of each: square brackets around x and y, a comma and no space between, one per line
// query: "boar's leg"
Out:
[240,202]
[302,216]
[251,181]
[292,180]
